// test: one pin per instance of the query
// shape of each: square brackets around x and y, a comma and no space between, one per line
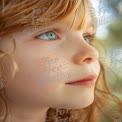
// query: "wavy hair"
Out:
[16,15]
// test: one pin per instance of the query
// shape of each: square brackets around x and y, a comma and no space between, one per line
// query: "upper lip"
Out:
[87,78]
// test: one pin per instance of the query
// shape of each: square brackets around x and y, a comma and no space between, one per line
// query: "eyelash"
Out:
[45,32]
[90,36]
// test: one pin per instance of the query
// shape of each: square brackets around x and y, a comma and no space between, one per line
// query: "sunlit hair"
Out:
[16,15]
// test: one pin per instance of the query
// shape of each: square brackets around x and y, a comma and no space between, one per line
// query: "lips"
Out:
[84,80]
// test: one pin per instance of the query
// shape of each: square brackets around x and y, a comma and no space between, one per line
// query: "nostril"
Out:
[88,60]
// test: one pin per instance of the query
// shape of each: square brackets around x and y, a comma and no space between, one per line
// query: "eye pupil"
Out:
[48,36]
[86,39]
[51,35]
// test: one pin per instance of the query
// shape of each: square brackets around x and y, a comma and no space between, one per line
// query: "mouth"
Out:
[86,81]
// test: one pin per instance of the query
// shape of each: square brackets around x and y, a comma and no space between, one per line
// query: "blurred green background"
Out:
[109,34]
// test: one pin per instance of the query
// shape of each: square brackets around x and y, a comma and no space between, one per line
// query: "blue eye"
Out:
[86,38]
[89,39]
[48,36]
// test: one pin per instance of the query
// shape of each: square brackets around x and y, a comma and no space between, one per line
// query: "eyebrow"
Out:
[91,24]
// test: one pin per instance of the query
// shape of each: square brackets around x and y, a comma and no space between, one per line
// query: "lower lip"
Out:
[83,83]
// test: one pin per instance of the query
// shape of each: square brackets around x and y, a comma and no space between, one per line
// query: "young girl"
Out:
[49,67]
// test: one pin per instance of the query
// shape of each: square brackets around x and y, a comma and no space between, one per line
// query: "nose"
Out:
[85,53]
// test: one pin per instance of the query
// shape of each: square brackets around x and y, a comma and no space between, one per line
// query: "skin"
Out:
[35,88]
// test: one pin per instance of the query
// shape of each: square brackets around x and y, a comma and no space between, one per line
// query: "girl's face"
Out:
[48,59]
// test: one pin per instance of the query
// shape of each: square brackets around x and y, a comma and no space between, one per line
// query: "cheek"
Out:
[50,71]
[44,75]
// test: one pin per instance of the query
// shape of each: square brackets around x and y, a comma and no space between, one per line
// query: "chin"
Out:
[87,101]
[79,104]
[76,104]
